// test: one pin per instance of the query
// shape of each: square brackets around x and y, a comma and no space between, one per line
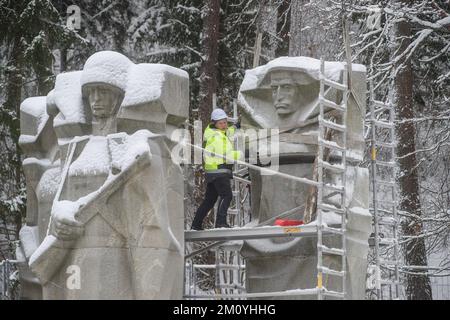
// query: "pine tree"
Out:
[410,47]
[315,29]
[28,32]
[417,287]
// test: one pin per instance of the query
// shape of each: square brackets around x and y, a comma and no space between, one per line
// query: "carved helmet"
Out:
[106,67]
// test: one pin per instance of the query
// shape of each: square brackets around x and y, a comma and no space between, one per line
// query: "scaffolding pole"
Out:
[384,219]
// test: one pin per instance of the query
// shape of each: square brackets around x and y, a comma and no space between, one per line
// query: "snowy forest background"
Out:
[406,54]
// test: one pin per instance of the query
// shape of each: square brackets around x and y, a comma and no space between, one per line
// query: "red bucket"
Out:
[286,222]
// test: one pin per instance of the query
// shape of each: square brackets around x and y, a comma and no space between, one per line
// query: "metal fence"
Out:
[440,287]
[8,280]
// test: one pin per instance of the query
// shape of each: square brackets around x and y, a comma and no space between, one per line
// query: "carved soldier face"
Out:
[286,94]
[103,100]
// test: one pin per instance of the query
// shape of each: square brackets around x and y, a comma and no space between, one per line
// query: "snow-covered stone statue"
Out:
[106,218]
[284,94]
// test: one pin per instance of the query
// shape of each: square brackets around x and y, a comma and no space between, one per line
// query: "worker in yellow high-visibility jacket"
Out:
[218,158]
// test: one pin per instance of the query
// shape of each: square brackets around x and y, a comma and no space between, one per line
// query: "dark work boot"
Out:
[223,225]
[196,228]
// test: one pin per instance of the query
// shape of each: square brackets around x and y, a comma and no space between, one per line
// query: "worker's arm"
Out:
[232,154]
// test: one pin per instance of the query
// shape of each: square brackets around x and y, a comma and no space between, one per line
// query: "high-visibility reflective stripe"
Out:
[219,171]
[319,280]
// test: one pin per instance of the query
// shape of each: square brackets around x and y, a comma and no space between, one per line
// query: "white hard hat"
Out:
[106,67]
[218,114]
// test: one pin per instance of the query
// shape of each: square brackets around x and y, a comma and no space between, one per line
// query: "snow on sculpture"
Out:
[284,94]
[105,215]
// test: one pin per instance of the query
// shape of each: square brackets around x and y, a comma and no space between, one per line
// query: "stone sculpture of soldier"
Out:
[114,225]
[284,94]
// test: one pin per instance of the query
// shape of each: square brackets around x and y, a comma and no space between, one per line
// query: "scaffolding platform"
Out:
[226,234]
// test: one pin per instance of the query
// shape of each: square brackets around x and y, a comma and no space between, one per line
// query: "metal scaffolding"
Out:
[387,262]
[339,169]
[227,269]
[7,279]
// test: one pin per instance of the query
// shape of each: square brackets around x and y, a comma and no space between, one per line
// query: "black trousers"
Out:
[217,187]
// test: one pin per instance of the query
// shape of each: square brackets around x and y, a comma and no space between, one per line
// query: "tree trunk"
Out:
[43,67]
[295,40]
[11,122]
[267,24]
[417,286]
[63,60]
[312,33]
[14,87]
[283,22]
[208,74]
[208,77]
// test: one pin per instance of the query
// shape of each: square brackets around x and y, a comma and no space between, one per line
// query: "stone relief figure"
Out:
[41,170]
[284,94]
[110,225]
[290,97]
